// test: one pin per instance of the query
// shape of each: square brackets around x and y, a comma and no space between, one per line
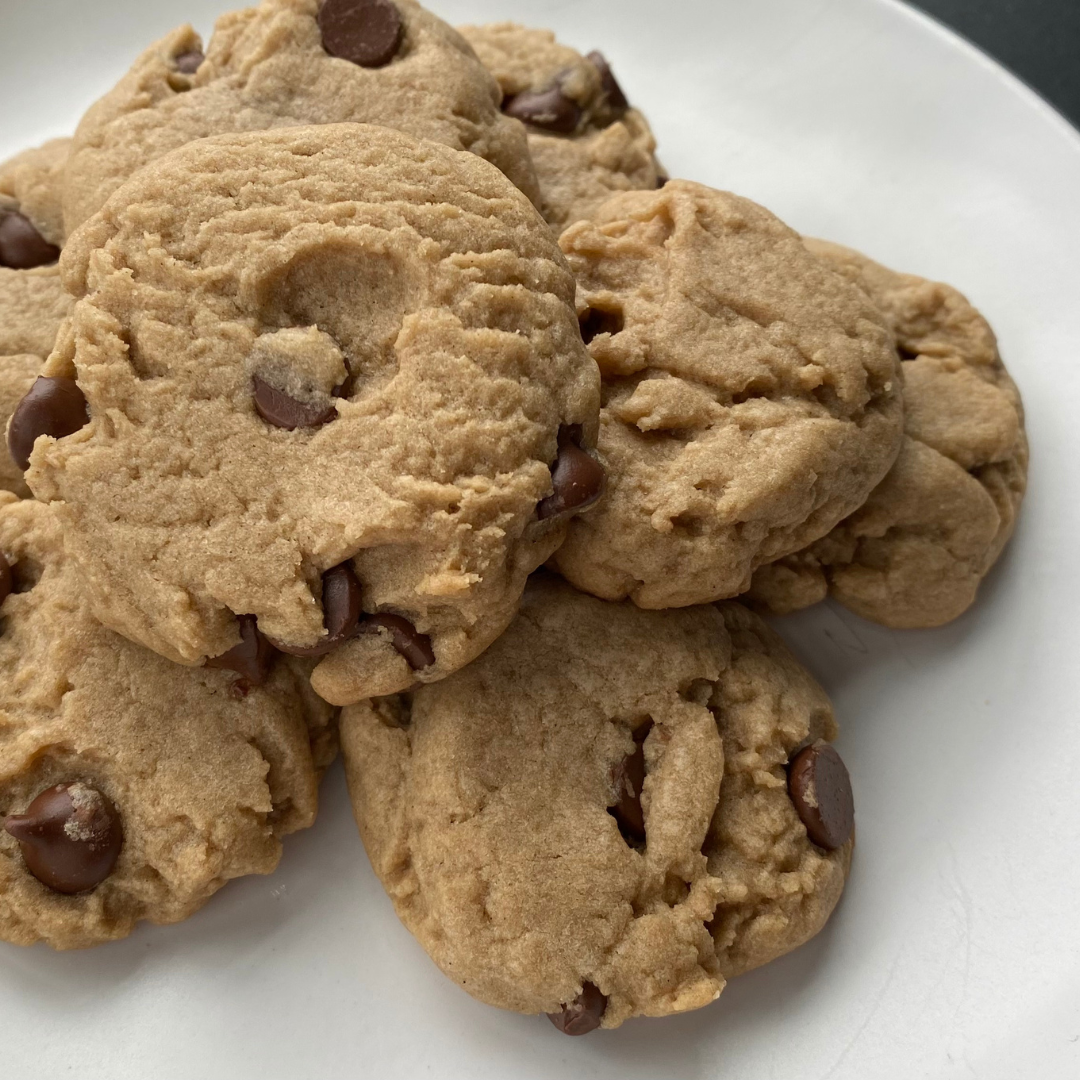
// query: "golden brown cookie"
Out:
[586,141]
[32,299]
[336,382]
[915,554]
[610,812]
[295,62]
[130,788]
[751,395]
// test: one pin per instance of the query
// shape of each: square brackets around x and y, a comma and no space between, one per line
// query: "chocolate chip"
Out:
[70,837]
[583,1014]
[549,109]
[414,646]
[662,181]
[53,407]
[608,83]
[341,600]
[596,321]
[628,778]
[7,579]
[365,32]
[189,62]
[820,788]
[22,247]
[286,412]
[577,479]
[251,659]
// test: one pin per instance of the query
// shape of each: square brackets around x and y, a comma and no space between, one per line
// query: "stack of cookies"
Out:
[368,382]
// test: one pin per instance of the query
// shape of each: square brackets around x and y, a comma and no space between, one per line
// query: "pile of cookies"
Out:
[368,382]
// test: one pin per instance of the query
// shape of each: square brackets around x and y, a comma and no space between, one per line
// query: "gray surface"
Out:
[1038,39]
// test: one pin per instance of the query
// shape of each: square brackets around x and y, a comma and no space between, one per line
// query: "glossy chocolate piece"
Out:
[365,32]
[820,788]
[583,1014]
[55,407]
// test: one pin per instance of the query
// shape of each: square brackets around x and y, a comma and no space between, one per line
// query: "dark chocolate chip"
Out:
[286,412]
[251,659]
[341,600]
[22,247]
[365,32]
[820,788]
[628,778]
[596,321]
[608,82]
[414,646]
[549,109]
[189,62]
[583,1014]
[7,579]
[53,407]
[577,479]
[70,837]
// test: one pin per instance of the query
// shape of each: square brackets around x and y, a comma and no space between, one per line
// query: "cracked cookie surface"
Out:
[33,303]
[751,395]
[492,810]
[205,782]
[314,351]
[915,554]
[592,143]
[268,66]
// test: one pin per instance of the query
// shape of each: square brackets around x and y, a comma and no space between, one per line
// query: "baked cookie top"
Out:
[915,553]
[33,302]
[585,139]
[295,62]
[751,395]
[597,813]
[130,788]
[334,375]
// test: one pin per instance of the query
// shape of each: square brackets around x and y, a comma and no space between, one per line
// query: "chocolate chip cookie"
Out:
[915,554]
[335,381]
[609,813]
[33,302]
[286,62]
[130,788]
[586,140]
[751,395]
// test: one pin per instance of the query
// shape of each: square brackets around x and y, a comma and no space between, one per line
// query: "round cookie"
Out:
[281,64]
[586,141]
[915,554]
[130,788]
[33,302]
[751,395]
[594,819]
[336,382]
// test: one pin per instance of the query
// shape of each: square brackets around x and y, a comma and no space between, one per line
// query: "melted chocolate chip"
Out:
[583,1014]
[577,479]
[189,62]
[70,837]
[53,407]
[548,109]
[341,599]
[596,321]
[608,83]
[365,32]
[7,579]
[286,412]
[251,659]
[22,247]
[820,788]
[414,646]
[628,778]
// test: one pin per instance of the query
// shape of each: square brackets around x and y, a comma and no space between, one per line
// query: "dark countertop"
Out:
[1039,40]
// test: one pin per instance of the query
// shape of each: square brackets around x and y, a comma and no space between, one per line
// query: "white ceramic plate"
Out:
[956,951]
